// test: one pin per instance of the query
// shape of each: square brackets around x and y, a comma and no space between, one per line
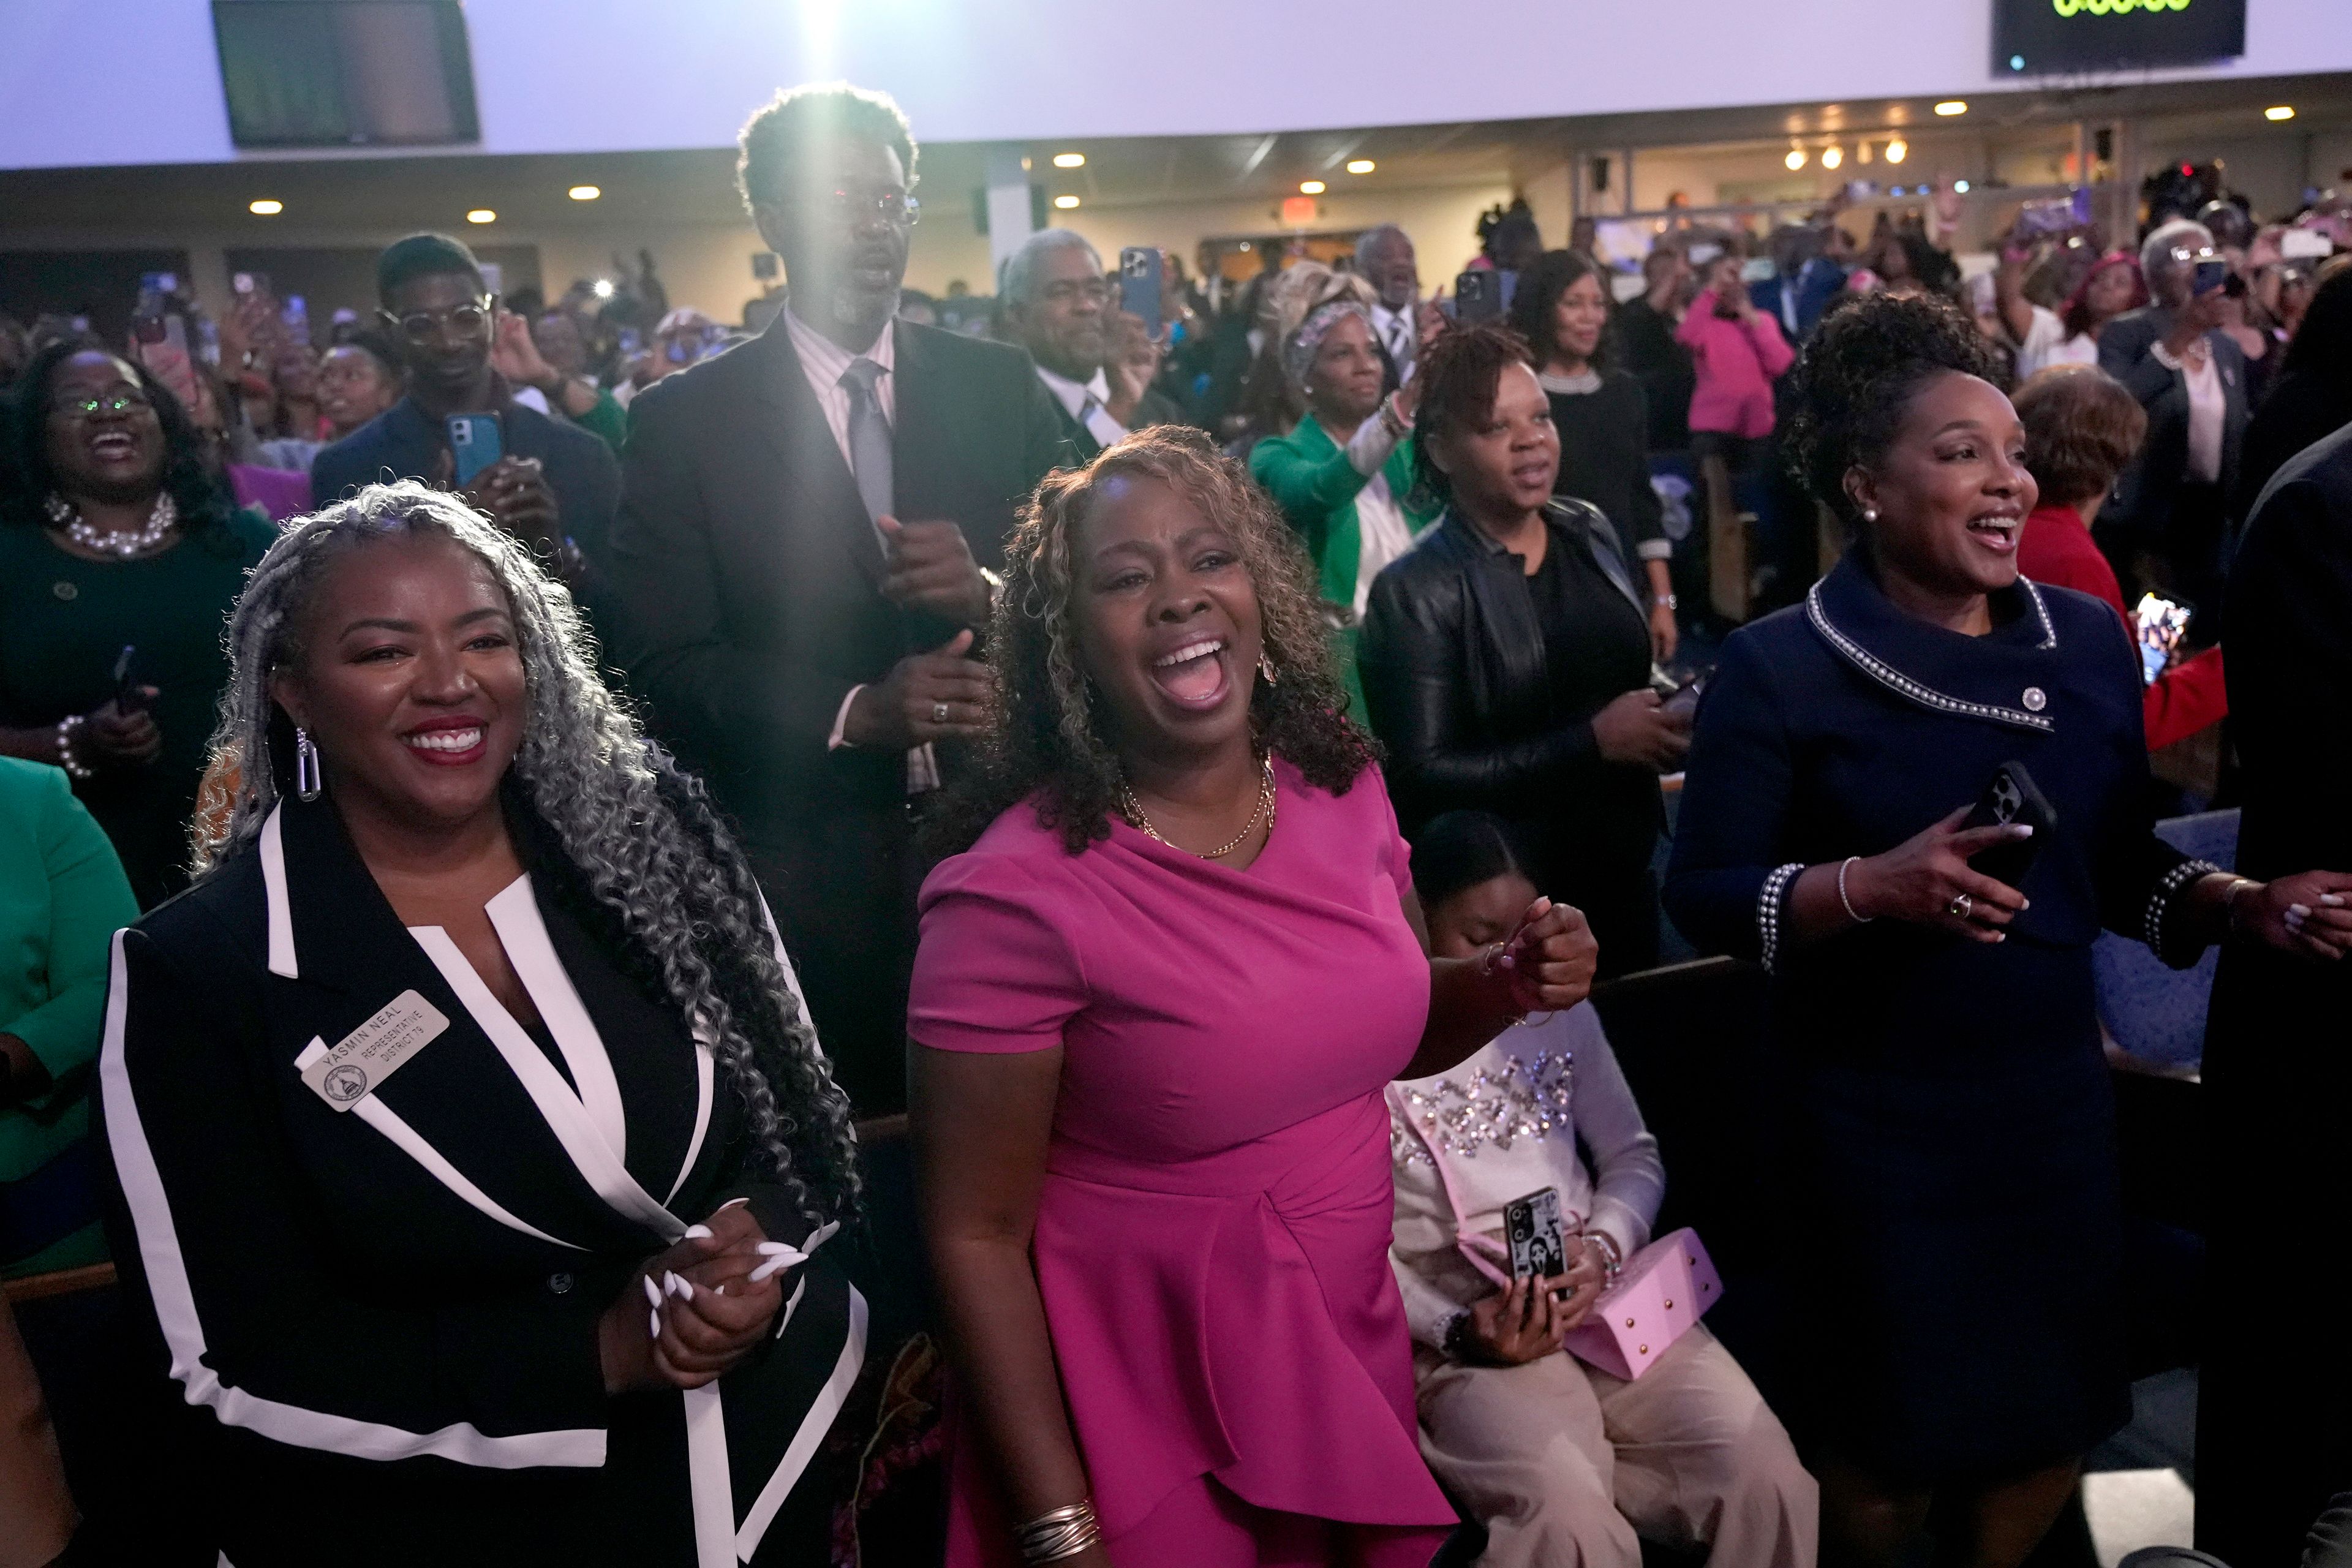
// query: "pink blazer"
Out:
[1736,365]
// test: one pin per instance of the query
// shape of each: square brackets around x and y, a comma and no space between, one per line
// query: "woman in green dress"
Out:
[1343,476]
[120,557]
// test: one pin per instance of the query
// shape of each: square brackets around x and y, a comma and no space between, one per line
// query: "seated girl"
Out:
[1561,1461]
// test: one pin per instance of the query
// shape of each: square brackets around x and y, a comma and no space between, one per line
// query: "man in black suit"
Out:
[555,486]
[802,560]
[1095,359]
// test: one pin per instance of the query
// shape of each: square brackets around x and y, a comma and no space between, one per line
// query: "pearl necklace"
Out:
[63,514]
[1132,809]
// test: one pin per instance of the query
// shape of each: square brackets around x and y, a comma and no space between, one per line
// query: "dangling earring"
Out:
[1265,667]
[307,780]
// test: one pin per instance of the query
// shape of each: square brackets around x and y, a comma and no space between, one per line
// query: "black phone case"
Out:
[1539,1243]
[2008,797]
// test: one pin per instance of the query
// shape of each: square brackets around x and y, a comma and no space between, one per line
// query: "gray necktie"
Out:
[870,436]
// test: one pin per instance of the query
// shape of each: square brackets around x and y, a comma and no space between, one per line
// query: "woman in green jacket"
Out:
[1343,477]
[62,898]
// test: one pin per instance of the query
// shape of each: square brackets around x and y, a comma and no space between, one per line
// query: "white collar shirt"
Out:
[1397,330]
[1084,401]
[823,362]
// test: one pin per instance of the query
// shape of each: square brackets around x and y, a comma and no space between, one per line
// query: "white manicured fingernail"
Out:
[653,1292]
[2022,829]
[653,1325]
[682,1288]
[698,1233]
[718,1289]
[731,1202]
[791,1254]
[2331,899]
[774,1266]
[2300,912]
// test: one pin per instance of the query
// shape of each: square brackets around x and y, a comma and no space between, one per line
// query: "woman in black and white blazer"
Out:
[473,1143]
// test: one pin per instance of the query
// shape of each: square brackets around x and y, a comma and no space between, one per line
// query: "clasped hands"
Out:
[695,1310]
[939,695]
[1547,964]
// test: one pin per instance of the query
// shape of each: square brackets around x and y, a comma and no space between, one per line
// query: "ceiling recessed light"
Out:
[1833,155]
[1065,203]
[1795,160]
[2279,112]
[1310,187]
[1961,186]
[1360,165]
[265,208]
[1950,106]
[1070,159]
[584,193]
[481,214]
[1898,150]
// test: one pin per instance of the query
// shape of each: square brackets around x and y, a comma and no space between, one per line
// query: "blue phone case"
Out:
[475,441]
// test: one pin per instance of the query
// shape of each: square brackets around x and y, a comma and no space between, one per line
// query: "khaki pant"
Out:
[1565,1465]
[37,1517]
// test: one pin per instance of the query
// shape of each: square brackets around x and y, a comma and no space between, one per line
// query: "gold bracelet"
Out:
[1063,1533]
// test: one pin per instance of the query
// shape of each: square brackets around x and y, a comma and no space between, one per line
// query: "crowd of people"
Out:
[1196,771]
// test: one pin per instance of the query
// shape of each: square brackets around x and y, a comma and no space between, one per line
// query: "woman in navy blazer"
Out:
[539,1288]
[1947,1119]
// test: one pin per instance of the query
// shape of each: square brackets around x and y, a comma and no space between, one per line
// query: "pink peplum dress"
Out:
[1211,1237]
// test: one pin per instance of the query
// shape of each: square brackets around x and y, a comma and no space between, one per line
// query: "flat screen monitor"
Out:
[2043,38]
[346,73]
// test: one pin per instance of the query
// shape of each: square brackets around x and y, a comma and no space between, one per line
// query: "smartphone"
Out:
[1140,284]
[2159,623]
[1538,1246]
[475,441]
[128,697]
[2008,797]
[2305,244]
[1479,296]
[2208,276]
[1685,699]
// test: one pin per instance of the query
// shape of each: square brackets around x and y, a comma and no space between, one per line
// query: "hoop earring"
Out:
[1265,669]
[308,782]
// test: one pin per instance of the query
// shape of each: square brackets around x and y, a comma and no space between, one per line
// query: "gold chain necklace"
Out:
[1132,809]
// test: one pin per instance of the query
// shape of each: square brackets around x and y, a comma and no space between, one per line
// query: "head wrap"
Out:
[1299,351]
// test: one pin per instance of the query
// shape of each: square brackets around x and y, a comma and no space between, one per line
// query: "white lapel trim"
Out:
[558,1107]
[409,1142]
[704,1071]
[273,894]
[814,1426]
[711,1483]
[183,1331]
[1918,691]
[514,915]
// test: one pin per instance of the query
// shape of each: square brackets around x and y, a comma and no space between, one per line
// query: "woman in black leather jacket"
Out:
[1505,659]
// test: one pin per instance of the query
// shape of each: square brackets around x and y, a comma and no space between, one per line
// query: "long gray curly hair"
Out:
[640,834]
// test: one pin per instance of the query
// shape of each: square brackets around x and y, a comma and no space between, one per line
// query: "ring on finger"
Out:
[938,712]
[1960,906]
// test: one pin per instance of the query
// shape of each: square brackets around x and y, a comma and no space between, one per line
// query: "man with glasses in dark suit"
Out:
[555,486]
[803,556]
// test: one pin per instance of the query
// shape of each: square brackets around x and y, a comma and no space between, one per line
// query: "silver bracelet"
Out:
[74,766]
[1856,916]
[1063,1533]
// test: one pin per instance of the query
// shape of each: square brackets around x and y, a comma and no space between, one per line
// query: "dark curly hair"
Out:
[1459,375]
[1535,303]
[1857,375]
[1046,743]
[205,504]
[791,125]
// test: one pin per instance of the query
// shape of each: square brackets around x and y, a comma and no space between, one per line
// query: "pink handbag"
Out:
[1663,1290]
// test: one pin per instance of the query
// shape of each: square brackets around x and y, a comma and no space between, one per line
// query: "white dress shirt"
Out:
[1398,331]
[822,361]
[1085,401]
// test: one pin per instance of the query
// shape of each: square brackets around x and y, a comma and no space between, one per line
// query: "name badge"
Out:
[372,1053]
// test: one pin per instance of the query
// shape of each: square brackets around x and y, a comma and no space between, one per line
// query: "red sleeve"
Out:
[2059,551]
[2187,698]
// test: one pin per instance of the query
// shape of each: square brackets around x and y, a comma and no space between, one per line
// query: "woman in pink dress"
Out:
[1154,1008]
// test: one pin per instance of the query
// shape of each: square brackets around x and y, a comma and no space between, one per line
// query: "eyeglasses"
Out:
[91,407]
[1076,290]
[2185,257]
[468,319]
[852,207]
